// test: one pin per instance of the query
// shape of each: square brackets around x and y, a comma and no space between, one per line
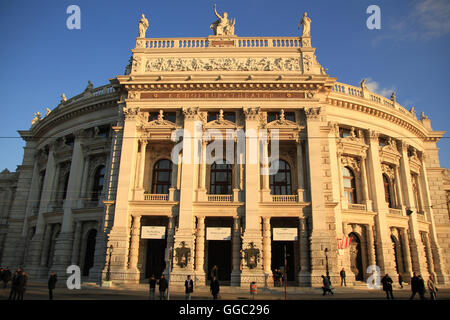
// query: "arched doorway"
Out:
[356,257]
[397,254]
[90,251]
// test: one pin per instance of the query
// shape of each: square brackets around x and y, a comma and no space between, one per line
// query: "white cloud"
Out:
[426,20]
[373,86]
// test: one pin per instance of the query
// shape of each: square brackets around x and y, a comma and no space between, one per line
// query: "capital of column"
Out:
[251,113]
[191,113]
[131,113]
[313,113]
[373,135]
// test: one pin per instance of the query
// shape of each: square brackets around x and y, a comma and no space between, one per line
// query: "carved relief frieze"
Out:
[221,64]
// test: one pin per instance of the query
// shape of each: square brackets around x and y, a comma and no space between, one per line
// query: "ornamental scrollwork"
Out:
[351,163]
[388,170]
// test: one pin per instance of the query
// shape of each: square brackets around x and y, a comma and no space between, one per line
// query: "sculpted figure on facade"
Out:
[37,118]
[223,26]
[143,25]
[306,23]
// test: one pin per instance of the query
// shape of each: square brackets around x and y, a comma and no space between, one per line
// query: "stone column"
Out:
[170,242]
[406,253]
[134,248]
[202,174]
[45,247]
[429,255]
[438,257]
[143,144]
[237,174]
[304,277]
[253,233]
[85,194]
[365,188]
[64,242]
[265,190]
[36,250]
[236,242]
[189,182]
[200,251]
[370,246]
[267,250]
[417,251]
[320,236]
[385,252]
[76,243]
[399,198]
[300,172]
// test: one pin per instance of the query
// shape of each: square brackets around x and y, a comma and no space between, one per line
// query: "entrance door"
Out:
[356,257]
[90,250]
[219,254]
[155,263]
[278,257]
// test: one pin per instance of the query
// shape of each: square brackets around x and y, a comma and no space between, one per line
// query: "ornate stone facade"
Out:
[352,164]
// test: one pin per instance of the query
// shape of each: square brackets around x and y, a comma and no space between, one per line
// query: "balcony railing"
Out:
[156,197]
[220,197]
[397,212]
[357,206]
[285,198]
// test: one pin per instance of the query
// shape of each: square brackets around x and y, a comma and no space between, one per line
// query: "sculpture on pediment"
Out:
[47,111]
[63,98]
[363,84]
[223,26]
[220,119]
[37,118]
[423,116]
[393,97]
[90,86]
[143,25]
[413,111]
[306,22]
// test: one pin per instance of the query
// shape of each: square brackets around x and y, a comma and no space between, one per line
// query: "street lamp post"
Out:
[108,271]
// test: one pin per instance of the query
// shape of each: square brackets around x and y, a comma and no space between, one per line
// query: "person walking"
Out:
[163,285]
[342,274]
[6,277]
[15,282]
[152,287]
[387,286]
[22,284]
[189,285]
[432,289]
[414,285]
[326,285]
[421,287]
[215,272]
[400,281]
[214,287]
[51,284]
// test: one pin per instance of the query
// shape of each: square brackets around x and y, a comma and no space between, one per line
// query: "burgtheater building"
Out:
[115,180]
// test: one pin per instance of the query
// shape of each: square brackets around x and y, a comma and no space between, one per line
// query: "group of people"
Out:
[188,284]
[278,278]
[417,287]
[18,282]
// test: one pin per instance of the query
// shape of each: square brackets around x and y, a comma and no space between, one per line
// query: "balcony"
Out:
[285,198]
[220,197]
[397,212]
[357,206]
[156,197]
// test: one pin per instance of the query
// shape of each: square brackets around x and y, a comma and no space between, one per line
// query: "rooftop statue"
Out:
[223,26]
[306,22]
[143,25]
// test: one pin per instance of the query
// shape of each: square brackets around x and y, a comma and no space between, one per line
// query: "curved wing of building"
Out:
[220,156]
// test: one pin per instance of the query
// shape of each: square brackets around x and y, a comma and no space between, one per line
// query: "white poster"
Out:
[285,234]
[153,232]
[218,233]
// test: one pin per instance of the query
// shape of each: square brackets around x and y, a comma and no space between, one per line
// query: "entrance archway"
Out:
[90,251]
[155,263]
[278,249]
[356,265]
[219,254]
[398,257]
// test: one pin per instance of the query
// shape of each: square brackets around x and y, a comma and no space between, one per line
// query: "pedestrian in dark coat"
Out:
[214,287]
[414,285]
[387,286]
[189,286]
[163,285]
[152,286]
[22,284]
[342,274]
[51,285]
[326,285]
[215,272]
[421,288]
[6,277]
[400,280]
[15,283]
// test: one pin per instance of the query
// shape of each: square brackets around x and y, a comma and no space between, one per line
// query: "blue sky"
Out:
[40,58]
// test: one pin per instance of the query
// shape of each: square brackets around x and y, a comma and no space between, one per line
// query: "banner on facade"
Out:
[218,233]
[284,234]
[153,232]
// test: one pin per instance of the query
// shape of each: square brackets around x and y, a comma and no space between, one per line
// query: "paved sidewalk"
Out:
[89,291]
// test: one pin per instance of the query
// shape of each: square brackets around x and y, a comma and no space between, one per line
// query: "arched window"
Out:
[221,173]
[280,183]
[162,173]
[387,190]
[349,185]
[99,180]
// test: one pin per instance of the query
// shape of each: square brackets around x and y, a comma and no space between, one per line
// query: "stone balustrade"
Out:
[220,198]
[357,206]
[156,197]
[285,198]
[397,212]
